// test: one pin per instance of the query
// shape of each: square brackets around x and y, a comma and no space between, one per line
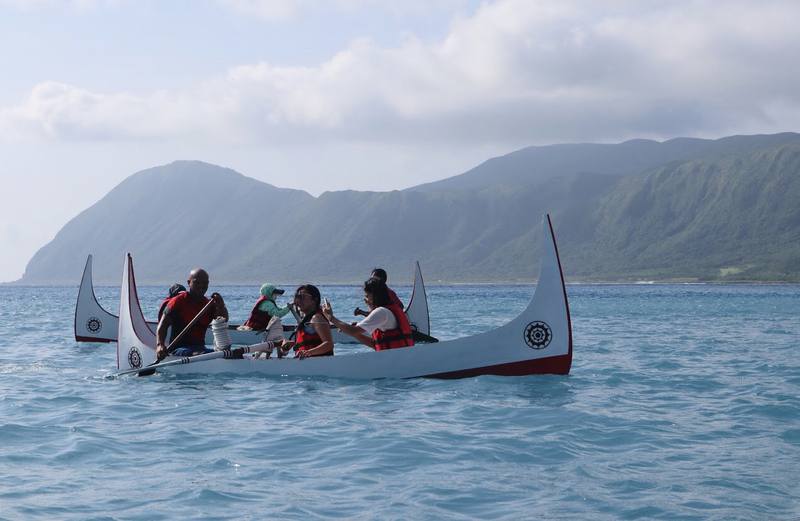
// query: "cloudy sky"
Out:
[361,94]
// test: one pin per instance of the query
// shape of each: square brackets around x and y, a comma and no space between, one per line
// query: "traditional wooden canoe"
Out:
[94,324]
[537,341]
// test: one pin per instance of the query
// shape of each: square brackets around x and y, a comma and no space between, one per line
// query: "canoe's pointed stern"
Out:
[92,322]
[417,310]
[136,342]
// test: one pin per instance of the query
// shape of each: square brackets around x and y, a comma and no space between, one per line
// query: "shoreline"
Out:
[441,283]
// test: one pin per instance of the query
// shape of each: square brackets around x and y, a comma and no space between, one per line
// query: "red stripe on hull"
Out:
[93,339]
[564,289]
[552,365]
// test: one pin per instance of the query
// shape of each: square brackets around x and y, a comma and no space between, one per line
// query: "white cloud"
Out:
[514,72]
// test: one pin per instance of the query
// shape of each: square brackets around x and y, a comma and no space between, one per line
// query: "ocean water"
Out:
[683,403]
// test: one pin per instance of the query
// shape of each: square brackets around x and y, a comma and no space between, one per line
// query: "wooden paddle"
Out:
[189,325]
[147,371]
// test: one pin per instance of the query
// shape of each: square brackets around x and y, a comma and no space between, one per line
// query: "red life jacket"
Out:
[182,309]
[163,308]
[306,340]
[393,298]
[401,336]
[171,296]
[259,319]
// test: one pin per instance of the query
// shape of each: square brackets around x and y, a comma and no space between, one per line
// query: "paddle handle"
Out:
[295,314]
[189,325]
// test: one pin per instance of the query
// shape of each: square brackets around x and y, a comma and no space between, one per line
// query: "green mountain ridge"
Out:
[736,217]
[685,209]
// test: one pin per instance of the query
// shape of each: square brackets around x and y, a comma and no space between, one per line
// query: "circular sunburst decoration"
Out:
[94,325]
[134,358]
[538,335]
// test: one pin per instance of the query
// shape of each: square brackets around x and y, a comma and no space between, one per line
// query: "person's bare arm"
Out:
[324,332]
[161,335]
[348,329]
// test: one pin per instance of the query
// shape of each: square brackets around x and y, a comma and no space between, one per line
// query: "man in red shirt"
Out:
[181,309]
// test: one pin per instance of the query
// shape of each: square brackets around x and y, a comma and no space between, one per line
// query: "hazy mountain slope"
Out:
[731,214]
[542,163]
[171,217]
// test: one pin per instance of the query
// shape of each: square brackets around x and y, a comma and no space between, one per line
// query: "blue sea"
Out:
[683,403]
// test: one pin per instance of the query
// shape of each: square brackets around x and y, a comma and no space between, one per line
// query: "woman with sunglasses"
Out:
[313,334]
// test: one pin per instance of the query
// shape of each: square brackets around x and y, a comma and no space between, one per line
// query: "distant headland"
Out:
[684,209]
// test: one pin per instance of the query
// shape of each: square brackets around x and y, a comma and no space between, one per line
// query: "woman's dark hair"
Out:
[380,273]
[315,296]
[377,288]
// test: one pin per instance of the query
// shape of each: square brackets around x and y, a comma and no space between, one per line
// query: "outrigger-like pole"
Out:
[239,352]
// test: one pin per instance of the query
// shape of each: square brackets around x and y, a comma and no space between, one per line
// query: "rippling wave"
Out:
[683,403]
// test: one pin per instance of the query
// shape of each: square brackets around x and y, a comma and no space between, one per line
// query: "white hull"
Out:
[95,324]
[538,341]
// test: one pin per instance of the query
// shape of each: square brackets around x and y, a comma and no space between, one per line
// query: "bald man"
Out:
[181,309]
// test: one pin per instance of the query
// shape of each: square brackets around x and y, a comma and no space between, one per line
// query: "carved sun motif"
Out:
[94,325]
[538,335]
[134,358]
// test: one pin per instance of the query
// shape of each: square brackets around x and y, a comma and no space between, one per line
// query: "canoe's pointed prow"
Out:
[417,310]
[92,322]
[539,340]
[550,306]
[135,341]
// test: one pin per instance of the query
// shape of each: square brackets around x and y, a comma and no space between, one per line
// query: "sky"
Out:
[361,94]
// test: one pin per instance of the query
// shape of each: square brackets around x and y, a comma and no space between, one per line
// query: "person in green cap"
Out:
[264,309]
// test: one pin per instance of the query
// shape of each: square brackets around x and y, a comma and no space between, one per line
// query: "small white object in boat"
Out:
[219,328]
